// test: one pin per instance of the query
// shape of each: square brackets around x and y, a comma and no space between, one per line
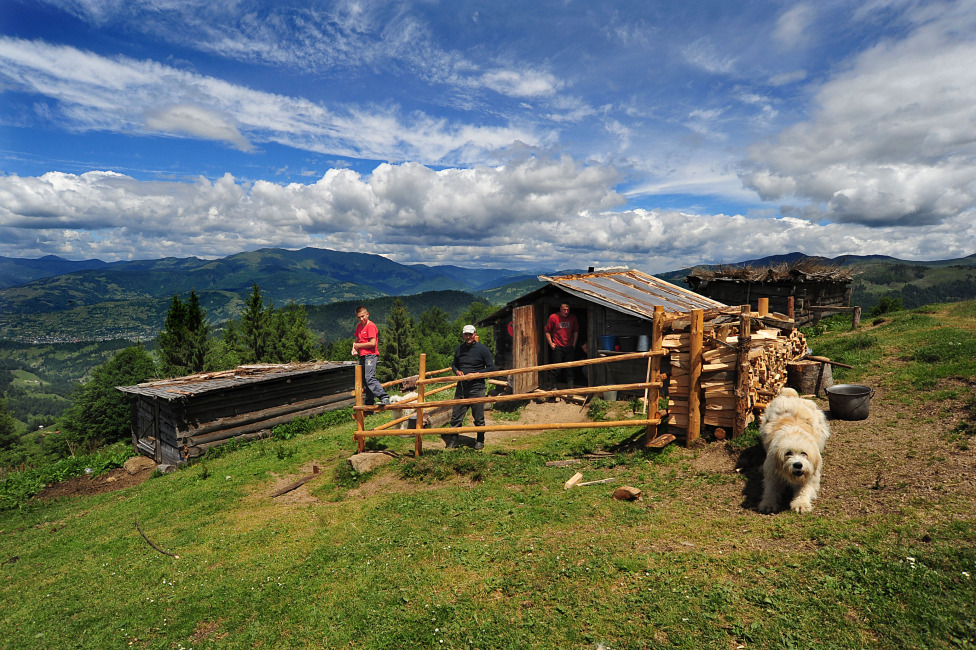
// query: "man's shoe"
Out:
[385,402]
[479,445]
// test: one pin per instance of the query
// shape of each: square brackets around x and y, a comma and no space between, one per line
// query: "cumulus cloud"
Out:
[121,94]
[893,139]
[530,213]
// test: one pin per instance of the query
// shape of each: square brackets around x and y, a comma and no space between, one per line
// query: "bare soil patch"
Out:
[116,479]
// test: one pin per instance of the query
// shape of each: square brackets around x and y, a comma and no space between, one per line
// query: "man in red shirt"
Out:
[365,344]
[562,331]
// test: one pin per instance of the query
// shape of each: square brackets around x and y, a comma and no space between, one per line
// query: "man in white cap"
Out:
[470,357]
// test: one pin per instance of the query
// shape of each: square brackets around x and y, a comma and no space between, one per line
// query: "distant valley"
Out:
[51,299]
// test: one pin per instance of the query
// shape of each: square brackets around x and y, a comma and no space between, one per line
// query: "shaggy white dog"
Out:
[794,432]
[399,413]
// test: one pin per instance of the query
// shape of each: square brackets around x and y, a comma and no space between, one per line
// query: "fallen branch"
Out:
[149,541]
[602,480]
[299,483]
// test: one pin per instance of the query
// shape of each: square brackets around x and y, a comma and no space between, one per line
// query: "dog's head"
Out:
[406,397]
[795,455]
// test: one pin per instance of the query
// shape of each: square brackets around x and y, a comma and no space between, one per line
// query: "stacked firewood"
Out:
[768,353]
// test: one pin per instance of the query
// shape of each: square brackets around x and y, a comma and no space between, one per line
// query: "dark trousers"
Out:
[562,355]
[467,390]
[371,385]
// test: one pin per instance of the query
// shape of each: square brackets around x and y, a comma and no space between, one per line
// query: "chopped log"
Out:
[626,493]
[802,375]
[576,478]
[661,441]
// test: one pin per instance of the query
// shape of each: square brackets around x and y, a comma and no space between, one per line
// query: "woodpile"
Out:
[765,359]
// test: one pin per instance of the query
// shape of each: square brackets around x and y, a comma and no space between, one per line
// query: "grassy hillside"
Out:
[469,549]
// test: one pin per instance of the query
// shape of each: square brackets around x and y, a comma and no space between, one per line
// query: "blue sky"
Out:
[536,135]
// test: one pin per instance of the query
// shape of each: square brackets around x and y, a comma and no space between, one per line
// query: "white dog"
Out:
[794,432]
[399,413]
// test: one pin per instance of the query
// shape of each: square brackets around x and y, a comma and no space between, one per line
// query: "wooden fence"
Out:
[651,387]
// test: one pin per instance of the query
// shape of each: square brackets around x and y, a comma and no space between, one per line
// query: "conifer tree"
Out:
[398,347]
[183,341]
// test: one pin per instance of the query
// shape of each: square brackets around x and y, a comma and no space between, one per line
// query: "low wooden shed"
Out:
[812,288]
[611,303]
[175,420]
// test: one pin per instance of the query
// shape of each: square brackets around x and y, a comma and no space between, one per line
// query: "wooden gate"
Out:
[525,348]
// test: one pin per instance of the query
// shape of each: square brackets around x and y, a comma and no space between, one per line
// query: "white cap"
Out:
[468,329]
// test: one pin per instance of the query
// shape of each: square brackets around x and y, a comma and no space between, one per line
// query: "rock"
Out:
[166,469]
[367,461]
[138,464]
[626,493]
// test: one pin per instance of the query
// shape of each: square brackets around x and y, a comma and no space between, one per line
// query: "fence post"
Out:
[360,416]
[742,386]
[694,372]
[651,396]
[421,388]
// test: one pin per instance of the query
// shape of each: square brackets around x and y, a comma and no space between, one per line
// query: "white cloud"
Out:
[893,140]
[121,94]
[792,25]
[531,213]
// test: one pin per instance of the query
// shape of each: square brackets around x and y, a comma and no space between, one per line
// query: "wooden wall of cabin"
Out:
[603,321]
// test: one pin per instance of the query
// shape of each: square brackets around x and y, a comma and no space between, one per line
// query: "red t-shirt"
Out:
[363,334]
[562,329]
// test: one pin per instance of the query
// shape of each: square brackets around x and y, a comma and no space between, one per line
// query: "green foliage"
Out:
[100,413]
[183,343]
[265,334]
[8,427]
[300,426]
[598,409]
[886,304]
[398,347]
[17,488]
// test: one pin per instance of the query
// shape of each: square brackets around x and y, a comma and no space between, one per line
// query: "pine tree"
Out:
[398,347]
[8,427]
[255,328]
[183,341]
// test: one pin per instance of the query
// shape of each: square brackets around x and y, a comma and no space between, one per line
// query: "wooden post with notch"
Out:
[652,395]
[360,415]
[742,383]
[421,387]
[694,372]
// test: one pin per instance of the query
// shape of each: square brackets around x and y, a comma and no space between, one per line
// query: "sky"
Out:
[521,135]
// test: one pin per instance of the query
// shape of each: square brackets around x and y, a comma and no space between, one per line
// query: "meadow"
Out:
[465,549]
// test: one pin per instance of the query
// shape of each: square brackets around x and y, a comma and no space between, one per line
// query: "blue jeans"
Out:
[373,388]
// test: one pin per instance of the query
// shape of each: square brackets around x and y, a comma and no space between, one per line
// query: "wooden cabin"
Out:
[175,420]
[813,288]
[615,310]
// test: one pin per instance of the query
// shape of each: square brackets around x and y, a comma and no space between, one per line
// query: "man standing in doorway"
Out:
[562,331]
[470,357]
[365,344]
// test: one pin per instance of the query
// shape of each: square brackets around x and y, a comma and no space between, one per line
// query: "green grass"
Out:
[486,549]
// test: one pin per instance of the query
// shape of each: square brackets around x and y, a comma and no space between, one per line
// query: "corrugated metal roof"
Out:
[632,292]
[182,387]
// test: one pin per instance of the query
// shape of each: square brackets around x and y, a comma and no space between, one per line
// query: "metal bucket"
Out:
[627,343]
[849,401]
[643,343]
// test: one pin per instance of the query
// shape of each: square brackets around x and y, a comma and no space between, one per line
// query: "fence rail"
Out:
[651,388]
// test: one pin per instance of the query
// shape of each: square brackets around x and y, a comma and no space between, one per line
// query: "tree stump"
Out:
[802,375]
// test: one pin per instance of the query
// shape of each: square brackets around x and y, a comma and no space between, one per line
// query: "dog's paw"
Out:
[801,505]
[766,507]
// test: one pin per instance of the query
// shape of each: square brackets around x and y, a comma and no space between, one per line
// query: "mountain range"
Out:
[56,299]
